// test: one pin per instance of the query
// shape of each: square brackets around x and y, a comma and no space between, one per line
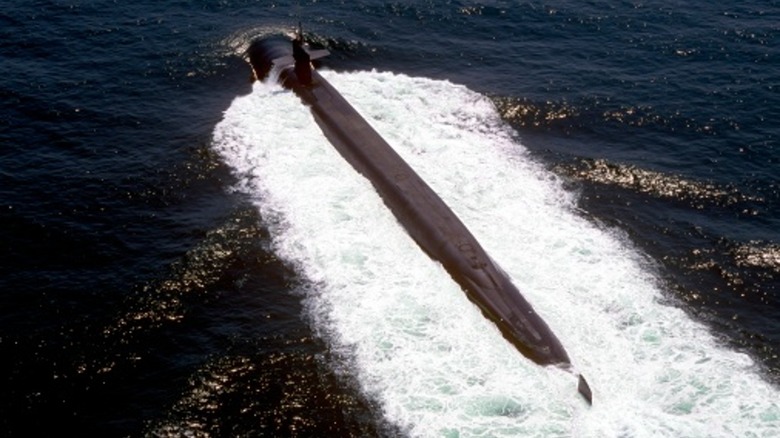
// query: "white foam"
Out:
[406,330]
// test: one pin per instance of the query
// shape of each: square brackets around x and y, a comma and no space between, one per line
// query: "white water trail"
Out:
[408,333]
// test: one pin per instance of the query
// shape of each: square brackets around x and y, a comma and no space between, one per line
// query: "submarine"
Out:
[423,214]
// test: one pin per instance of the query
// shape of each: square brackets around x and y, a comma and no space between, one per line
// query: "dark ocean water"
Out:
[159,278]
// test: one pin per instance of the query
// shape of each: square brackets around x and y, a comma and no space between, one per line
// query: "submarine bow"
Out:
[424,215]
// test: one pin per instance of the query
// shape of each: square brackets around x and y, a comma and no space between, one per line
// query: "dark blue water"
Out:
[141,295]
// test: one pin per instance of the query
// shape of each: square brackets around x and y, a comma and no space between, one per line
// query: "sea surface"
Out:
[183,253]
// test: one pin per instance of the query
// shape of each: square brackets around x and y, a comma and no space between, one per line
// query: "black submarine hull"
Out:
[424,215]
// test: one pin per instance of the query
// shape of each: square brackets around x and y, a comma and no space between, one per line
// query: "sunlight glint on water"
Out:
[406,330]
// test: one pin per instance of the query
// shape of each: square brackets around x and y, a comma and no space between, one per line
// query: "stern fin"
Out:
[584,389]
